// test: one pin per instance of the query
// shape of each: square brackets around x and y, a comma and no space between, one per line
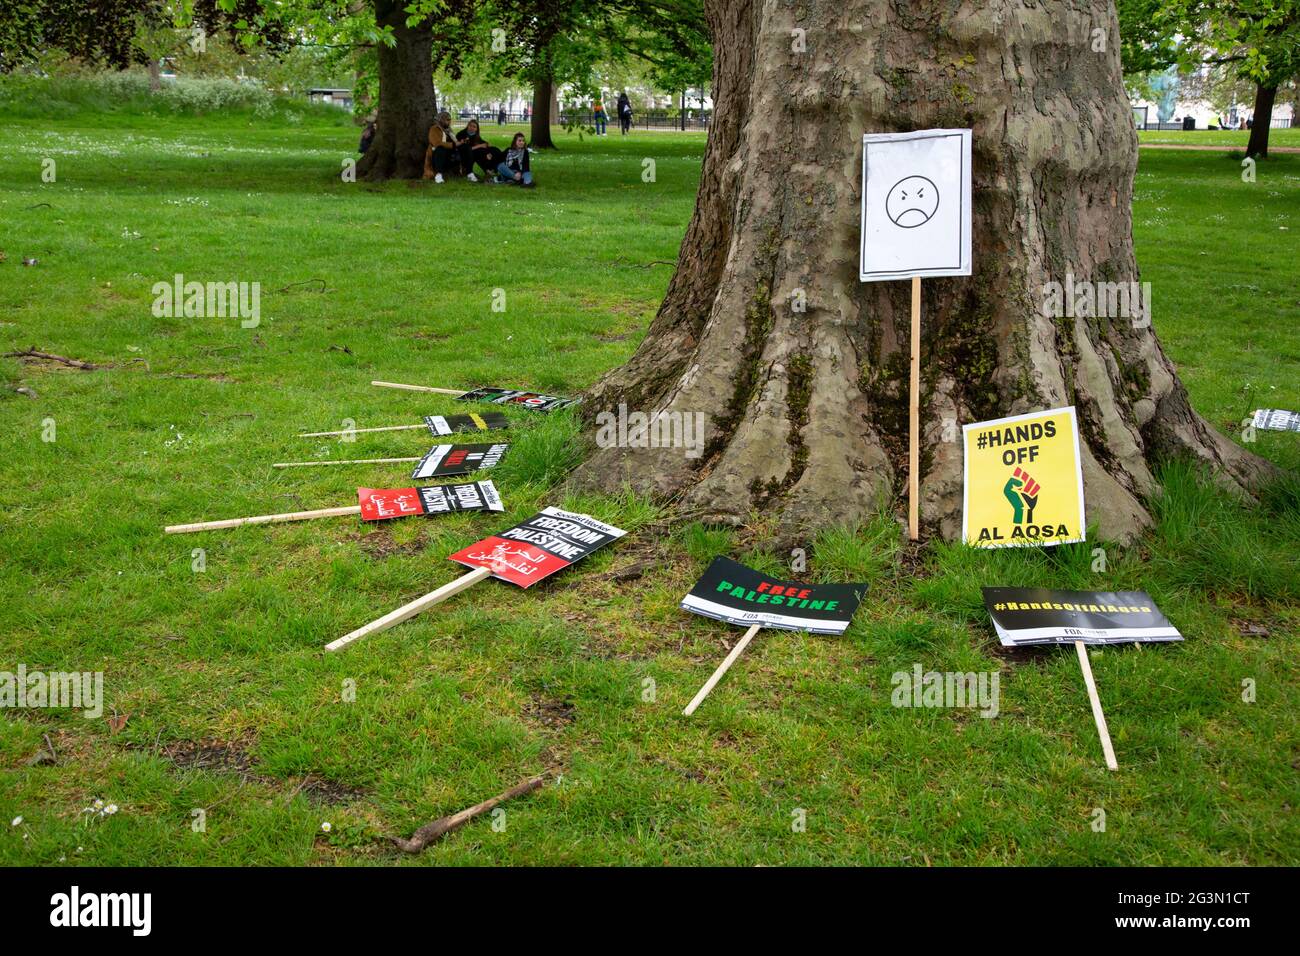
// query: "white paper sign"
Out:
[916,198]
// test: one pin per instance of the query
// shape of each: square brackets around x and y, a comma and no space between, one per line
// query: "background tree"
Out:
[411,40]
[546,42]
[1260,39]
[808,410]
[122,33]
[672,37]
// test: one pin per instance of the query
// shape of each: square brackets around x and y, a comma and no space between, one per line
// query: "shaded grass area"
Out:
[232,708]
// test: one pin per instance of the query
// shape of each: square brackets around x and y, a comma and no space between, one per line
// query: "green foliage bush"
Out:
[127,91]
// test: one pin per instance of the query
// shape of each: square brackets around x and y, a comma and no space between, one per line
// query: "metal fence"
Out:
[1142,121]
[641,119]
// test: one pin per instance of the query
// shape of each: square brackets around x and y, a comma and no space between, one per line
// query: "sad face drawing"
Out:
[911,202]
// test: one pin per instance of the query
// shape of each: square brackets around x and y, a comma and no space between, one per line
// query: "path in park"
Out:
[1207,146]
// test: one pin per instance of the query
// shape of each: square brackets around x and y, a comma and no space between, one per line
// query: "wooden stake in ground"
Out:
[1107,750]
[431,832]
[263,519]
[411,609]
[351,461]
[361,431]
[921,178]
[914,417]
[421,388]
[722,669]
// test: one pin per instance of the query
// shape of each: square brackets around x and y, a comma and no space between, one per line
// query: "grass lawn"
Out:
[223,701]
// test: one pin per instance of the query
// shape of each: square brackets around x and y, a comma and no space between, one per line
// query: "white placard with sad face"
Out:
[916,204]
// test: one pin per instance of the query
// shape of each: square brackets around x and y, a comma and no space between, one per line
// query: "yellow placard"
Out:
[1023,481]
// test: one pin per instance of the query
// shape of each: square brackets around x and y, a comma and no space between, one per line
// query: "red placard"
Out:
[379,503]
[534,549]
[513,561]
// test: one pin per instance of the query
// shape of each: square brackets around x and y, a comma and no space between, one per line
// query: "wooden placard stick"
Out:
[1107,750]
[263,519]
[722,669]
[350,461]
[359,431]
[442,826]
[411,609]
[421,388]
[914,417]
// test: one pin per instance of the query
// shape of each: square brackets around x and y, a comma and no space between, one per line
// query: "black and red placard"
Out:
[548,542]
[729,591]
[442,425]
[380,504]
[458,460]
[517,398]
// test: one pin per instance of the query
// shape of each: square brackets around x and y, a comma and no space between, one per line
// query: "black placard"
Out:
[520,399]
[458,460]
[729,591]
[1045,616]
[442,425]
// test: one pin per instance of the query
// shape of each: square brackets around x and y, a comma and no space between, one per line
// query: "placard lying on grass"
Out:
[548,542]
[1023,616]
[512,396]
[1023,481]
[729,591]
[1276,420]
[458,460]
[440,425]
[380,504]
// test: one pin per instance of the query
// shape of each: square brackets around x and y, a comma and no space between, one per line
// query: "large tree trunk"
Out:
[539,136]
[808,411]
[1263,119]
[407,104]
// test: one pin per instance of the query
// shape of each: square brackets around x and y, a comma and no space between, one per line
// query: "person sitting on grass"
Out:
[474,149]
[514,167]
[440,157]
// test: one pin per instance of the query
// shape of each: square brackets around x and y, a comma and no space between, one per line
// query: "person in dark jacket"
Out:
[514,167]
[367,137]
[475,150]
[624,112]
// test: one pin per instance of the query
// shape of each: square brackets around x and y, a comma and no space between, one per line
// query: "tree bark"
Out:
[1263,119]
[407,103]
[540,129]
[807,411]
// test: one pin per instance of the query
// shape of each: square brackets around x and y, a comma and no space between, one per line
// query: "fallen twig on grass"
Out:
[51,357]
[621,262]
[291,285]
[632,571]
[431,832]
